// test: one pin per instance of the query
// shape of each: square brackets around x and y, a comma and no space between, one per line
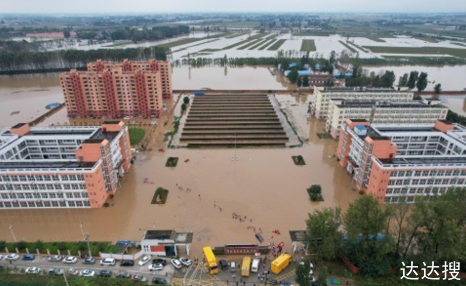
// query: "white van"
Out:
[255,265]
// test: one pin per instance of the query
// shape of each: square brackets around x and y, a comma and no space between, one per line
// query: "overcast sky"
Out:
[156,6]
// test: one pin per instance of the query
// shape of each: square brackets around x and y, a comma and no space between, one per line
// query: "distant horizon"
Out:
[109,7]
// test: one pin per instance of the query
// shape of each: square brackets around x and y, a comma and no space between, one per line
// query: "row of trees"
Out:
[385,79]
[414,79]
[378,238]
[149,34]
[17,62]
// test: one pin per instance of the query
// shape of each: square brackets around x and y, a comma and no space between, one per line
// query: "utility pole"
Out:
[12,232]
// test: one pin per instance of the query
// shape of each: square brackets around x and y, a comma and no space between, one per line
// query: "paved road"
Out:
[45,265]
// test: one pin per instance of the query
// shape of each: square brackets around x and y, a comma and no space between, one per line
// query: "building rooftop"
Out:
[177,237]
[19,125]
[360,89]
[384,104]
[424,160]
[45,165]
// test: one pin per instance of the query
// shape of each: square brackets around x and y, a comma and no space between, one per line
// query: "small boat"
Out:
[186,161]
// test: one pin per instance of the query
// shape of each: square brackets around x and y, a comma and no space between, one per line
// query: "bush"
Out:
[298,160]
[21,245]
[106,205]
[38,245]
[361,192]
[160,196]
[171,162]
[183,107]
[2,245]
[61,246]
[186,100]
[315,193]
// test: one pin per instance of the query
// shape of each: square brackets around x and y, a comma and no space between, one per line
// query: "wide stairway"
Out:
[232,119]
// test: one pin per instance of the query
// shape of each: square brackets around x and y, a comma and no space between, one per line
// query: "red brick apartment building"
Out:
[117,89]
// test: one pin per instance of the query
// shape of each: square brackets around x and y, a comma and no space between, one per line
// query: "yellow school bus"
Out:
[210,259]
[245,266]
[280,263]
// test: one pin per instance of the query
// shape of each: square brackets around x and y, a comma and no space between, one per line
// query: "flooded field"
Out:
[451,77]
[456,103]
[227,78]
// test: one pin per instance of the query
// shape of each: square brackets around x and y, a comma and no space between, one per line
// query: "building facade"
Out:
[321,103]
[426,111]
[62,167]
[397,163]
[117,90]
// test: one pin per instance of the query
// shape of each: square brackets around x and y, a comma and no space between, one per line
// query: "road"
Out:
[45,265]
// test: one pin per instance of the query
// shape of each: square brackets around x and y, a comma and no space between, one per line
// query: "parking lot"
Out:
[44,264]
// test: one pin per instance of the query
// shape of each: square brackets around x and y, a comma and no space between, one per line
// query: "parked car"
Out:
[155,267]
[159,260]
[1,257]
[176,263]
[33,270]
[285,283]
[105,273]
[144,260]
[185,261]
[12,256]
[88,260]
[87,273]
[73,271]
[158,280]
[55,258]
[29,257]
[223,264]
[233,266]
[107,262]
[70,260]
[123,274]
[127,263]
[139,278]
[56,271]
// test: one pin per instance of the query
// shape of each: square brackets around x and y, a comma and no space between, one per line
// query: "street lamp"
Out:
[86,238]
[12,233]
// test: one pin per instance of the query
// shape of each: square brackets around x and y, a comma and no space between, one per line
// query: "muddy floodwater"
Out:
[456,103]
[264,187]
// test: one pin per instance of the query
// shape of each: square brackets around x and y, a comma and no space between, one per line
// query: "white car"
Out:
[185,261]
[33,270]
[87,273]
[12,256]
[155,267]
[144,260]
[73,271]
[176,263]
[107,262]
[70,260]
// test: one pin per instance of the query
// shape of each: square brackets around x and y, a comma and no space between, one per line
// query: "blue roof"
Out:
[287,72]
[347,75]
[304,73]
[52,105]
[360,127]
[292,64]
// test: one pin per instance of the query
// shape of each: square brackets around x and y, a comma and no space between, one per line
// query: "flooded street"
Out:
[263,185]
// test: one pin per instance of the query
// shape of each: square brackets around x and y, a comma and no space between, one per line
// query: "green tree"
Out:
[368,245]
[21,245]
[38,245]
[323,234]
[183,107]
[332,57]
[293,76]
[299,82]
[323,275]
[302,273]
[403,80]
[61,246]
[66,33]
[305,81]
[387,79]
[438,88]
[2,245]
[186,100]
[421,83]
[413,76]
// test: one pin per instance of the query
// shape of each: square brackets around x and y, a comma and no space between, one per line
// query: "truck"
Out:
[280,263]
[245,266]
[211,260]
[198,93]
